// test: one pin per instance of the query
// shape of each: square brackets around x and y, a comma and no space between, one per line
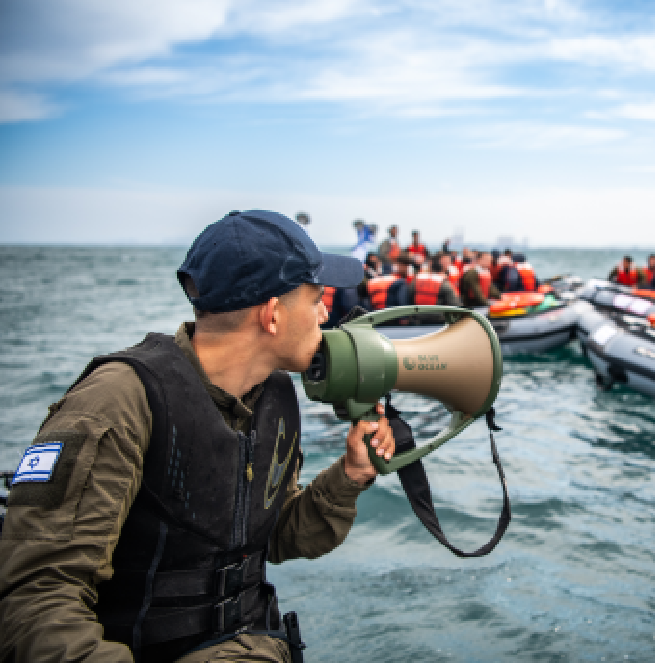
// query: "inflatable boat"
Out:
[621,348]
[612,298]
[532,322]
[524,322]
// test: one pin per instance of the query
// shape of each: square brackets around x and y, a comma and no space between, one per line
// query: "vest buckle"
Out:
[225,614]
[229,579]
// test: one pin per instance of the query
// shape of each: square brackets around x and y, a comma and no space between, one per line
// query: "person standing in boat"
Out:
[389,249]
[475,286]
[416,250]
[625,273]
[141,518]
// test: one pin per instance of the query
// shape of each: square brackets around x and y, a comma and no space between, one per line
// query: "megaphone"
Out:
[460,365]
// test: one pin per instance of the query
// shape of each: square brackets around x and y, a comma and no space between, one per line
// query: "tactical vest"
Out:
[189,566]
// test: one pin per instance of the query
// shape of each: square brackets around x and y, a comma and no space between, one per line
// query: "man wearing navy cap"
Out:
[169,471]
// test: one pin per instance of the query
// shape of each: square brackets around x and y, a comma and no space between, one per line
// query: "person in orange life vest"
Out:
[416,250]
[444,263]
[389,250]
[432,287]
[389,289]
[526,272]
[647,274]
[475,286]
[508,278]
[625,273]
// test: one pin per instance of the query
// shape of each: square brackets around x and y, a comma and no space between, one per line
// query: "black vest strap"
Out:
[417,488]
[216,583]
[212,618]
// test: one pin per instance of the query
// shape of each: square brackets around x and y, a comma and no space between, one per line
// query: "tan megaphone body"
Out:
[454,365]
[460,366]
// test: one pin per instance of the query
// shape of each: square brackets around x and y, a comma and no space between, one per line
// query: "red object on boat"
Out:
[512,300]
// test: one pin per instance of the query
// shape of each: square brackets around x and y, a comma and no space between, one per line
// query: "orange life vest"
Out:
[528,276]
[328,297]
[453,277]
[418,250]
[378,289]
[459,263]
[427,288]
[650,275]
[627,278]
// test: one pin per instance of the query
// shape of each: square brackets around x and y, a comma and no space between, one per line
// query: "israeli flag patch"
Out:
[38,462]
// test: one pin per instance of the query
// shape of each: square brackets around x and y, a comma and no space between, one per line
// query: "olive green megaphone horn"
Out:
[460,365]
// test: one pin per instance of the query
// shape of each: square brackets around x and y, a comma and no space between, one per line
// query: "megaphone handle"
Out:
[378,462]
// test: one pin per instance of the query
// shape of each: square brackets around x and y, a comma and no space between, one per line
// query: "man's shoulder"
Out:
[111,391]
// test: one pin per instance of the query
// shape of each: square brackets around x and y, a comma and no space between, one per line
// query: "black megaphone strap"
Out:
[417,488]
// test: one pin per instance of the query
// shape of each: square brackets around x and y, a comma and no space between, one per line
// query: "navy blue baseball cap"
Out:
[248,257]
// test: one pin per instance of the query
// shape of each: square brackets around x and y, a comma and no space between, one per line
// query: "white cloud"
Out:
[409,58]
[637,111]
[634,53]
[539,136]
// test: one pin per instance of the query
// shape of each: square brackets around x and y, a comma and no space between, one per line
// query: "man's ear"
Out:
[269,316]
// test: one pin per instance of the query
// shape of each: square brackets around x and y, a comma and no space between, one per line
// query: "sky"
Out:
[143,122]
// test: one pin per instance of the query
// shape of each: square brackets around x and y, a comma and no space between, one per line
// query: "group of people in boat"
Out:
[399,276]
[630,275]
[411,275]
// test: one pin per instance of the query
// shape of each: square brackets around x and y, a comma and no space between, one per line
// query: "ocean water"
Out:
[572,580]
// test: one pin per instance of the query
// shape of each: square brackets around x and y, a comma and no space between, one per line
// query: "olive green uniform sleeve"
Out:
[471,291]
[58,543]
[317,519]
[447,296]
[59,536]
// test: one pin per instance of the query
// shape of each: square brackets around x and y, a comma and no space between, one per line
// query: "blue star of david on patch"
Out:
[38,462]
